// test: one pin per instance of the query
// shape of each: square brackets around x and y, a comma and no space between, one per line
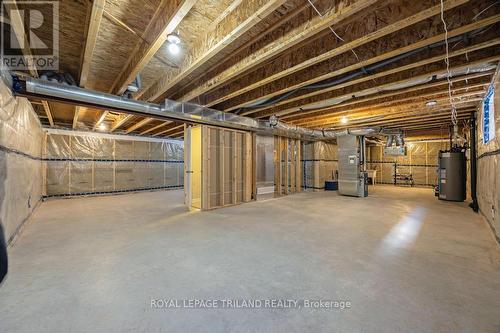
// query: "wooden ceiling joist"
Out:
[138,125]
[100,120]
[292,38]
[368,87]
[46,108]
[17,23]
[371,109]
[154,128]
[400,118]
[230,28]
[122,119]
[357,37]
[410,121]
[380,77]
[419,43]
[171,129]
[461,82]
[398,113]
[93,30]
[166,19]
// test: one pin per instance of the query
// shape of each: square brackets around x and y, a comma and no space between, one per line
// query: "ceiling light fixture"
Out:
[174,43]
[103,127]
[430,104]
[344,120]
[174,49]
[174,38]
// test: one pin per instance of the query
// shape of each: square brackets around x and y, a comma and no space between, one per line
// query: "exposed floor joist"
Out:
[247,14]
[414,46]
[292,38]
[90,43]
[166,19]
[370,33]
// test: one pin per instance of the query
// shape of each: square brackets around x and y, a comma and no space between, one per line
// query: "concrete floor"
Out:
[406,261]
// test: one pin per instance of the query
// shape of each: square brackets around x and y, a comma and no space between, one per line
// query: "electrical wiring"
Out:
[447,62]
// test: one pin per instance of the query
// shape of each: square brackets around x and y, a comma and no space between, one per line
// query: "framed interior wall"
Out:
[220,169]
[287,166]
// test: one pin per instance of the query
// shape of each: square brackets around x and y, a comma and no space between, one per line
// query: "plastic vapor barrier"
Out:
[21,139]
[79,163]
[488,167]
[320,163]
[418,167]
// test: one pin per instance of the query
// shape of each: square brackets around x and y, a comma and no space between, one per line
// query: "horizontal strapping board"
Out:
[51,159]
[113,192]
[489,153]
[403,164]
[106,160]
[17,152]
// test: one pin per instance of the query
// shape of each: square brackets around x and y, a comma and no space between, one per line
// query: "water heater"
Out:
[452,175]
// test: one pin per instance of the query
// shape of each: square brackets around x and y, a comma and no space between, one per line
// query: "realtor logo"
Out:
[30,35]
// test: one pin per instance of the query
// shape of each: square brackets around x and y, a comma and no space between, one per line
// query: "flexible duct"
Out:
[390,139]
[323,134]
[358,73]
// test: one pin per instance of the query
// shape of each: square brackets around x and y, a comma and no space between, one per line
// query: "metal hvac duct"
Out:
[185,112]
[322,134]
[177,111]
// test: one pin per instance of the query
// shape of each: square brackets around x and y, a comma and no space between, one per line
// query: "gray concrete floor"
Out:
[406,261]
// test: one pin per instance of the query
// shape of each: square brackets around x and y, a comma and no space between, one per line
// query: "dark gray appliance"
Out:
[452,175]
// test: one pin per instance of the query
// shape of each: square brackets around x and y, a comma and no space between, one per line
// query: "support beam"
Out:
[166,19]
[277,166]
[238,22]
[292,38]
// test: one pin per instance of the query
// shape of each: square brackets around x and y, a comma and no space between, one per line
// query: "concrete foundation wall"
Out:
[21,139]
[488,168]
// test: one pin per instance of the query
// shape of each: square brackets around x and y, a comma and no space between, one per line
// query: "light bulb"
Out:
[103,127]
[344,120]
[174,48]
